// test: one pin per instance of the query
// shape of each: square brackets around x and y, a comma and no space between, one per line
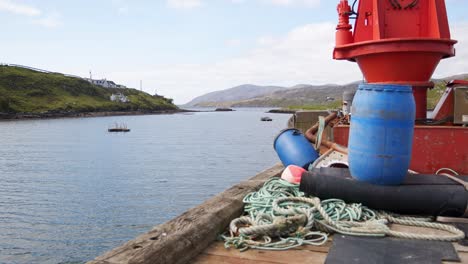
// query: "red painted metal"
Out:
[420,98]
[456,83]
[343,29]
[446,104]
[402,42]
[444,107]
[434,147]
[396,41]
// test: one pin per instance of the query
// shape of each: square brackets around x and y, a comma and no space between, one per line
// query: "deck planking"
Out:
[306,254]
[216,253]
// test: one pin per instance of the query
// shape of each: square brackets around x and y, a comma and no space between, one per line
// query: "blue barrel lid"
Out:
[281,132]
[379,87]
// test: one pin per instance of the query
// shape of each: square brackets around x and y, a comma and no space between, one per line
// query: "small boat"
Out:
[266,118]
[119,128]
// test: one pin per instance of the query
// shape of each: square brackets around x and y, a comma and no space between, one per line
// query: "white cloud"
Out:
[184,4]
[49,21]
[123,10]
[187,4]
[266,40]
[459,63]
[304,55]
[18,9]
[307,3]
[39,18]
[233,42]
[121,6]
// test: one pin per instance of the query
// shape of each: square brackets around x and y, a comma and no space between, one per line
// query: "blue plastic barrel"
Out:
[381,133]
[294,149]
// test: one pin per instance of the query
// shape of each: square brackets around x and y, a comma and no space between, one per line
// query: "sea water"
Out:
[70,190]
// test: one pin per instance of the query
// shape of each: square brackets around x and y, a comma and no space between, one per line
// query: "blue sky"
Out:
[184,48]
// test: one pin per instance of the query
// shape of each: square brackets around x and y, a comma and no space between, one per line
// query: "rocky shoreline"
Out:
[71,114]
[282,111]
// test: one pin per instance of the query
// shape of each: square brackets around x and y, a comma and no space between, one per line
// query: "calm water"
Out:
[70,190]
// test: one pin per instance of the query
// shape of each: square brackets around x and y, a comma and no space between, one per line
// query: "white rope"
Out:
[279,210]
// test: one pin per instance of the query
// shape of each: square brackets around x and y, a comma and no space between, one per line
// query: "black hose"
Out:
[420,194]
[352,8]
[432,122]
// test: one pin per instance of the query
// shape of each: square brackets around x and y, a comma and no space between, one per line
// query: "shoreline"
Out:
[282,111]
[58,115]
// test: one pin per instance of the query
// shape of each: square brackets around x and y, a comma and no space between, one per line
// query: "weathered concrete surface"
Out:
[181,239]
[303,120]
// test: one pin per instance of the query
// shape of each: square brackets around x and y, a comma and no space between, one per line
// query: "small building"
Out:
[104,83]
[119,97]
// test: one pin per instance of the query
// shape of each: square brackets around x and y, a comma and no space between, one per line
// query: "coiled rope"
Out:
[279,210]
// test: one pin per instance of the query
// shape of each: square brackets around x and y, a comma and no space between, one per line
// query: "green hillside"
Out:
[434,95]
[27,91]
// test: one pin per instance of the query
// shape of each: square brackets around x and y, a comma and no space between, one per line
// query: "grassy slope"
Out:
[26,91]
[323,106]
[433,95]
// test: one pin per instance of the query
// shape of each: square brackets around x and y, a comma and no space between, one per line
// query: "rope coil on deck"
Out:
[279,210]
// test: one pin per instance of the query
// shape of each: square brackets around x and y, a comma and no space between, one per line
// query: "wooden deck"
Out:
[216,253]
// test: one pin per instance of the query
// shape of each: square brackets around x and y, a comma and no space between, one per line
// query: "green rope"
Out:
[280,211]
[261,202]
[260,211]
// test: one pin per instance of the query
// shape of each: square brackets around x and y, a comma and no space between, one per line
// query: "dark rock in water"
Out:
[282,111]
[224,110]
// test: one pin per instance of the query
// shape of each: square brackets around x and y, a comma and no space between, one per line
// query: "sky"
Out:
[185,48]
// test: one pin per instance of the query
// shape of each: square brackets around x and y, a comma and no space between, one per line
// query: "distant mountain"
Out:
[463,76]
[300,86]
[275,96]
[238,93]
[272,96]
[301,95]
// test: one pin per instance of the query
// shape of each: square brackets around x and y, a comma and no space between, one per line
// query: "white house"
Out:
[104,83]
[119,98]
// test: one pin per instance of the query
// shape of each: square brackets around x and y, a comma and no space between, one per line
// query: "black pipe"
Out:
[419,195]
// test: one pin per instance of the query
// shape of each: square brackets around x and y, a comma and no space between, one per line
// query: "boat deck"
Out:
[216,253]
[190,237]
